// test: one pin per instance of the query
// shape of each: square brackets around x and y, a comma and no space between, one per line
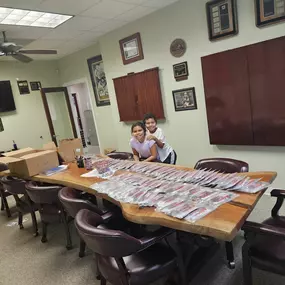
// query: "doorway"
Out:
[59,113]
[83,116]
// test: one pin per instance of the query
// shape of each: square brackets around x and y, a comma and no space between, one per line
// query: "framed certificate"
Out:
[131,49]
[222,18]
[269,12]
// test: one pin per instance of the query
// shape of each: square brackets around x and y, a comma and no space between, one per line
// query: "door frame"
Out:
[44,91]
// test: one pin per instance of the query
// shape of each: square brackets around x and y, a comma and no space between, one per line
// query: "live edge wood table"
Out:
[222,224]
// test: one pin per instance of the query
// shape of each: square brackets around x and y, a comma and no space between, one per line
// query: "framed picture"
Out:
[131,48]
[269,12]
[222,18]
[1,126]
[99,82]
[178,47]
[184,99]
[180,71]
[35,85]
[23,87]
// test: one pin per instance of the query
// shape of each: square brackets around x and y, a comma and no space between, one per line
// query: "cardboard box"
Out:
[19,153]
[109,150]
[7,160]
[69,148]
[34,163]
[50,146]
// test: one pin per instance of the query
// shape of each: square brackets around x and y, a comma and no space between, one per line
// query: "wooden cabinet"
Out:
[244,94]
[138,94]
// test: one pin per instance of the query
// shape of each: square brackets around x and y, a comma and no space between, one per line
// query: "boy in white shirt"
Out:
[165,151]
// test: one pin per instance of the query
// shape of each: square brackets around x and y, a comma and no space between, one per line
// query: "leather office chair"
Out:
[24,204]
[73,201]
[226,165]
[264,247]
[50,208]
[121,155]
[4,194]
[122,258]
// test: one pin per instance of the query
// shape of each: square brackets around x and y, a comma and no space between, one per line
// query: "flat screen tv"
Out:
[6,97]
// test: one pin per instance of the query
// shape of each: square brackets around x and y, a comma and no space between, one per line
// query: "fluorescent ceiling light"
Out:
[19,17]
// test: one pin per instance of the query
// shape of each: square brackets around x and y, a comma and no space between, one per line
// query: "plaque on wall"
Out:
[178,47]
[222,18]
[35,85]
[269,11]
[1,126]
[180,71]
[23,87]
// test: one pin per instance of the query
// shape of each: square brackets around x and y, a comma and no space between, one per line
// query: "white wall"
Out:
[74,67]
[187,131]
[28,122]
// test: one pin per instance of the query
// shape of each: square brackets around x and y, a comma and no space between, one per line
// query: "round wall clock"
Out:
[178,47]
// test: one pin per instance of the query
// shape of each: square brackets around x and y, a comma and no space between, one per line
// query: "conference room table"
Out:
[222,224]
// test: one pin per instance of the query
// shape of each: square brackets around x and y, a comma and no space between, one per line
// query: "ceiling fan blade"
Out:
[38,51]
[22,58]
[12,48]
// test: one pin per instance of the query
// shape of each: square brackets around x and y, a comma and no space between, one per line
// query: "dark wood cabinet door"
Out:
[266,62]
[226,84]
[127,98]
[150,100]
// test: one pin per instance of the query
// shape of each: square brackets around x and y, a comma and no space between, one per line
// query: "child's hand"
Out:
[151,137]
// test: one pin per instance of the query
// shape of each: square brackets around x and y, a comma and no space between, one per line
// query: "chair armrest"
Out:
[107,217]
[263,229]
[155,237]
[278,193]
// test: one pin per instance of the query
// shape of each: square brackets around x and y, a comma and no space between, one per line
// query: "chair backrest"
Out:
[72,201]
[226,165]
[13,185]
[43,194]
[121,155]
[3,167]
[103,241]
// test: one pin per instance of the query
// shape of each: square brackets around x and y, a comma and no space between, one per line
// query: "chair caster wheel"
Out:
[69,247]
[44,240]
[231,265]
[98,277]
[81,254]
[21,227]
[36,234]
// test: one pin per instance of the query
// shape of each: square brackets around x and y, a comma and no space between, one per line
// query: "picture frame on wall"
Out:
[23,87]
[269,12]
[131,48]
[98,79]
[180,71]
[184,99]
[222,18]
[35,85]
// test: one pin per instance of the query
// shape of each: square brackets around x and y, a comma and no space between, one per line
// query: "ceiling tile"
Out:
[73,7]
[88,36]
[72,46]
[136,13]
[81,23]
[22,4]
[44,44]
[21,32]
[62,33]
[110,25]
[108,9]
[158,3]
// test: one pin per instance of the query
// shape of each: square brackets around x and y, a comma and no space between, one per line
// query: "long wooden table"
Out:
[223,223]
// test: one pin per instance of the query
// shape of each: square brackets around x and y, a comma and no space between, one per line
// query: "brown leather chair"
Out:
[122,258]
[24,204]
[226,165]
[73,201]
[4,194]
[264,247]
[50,208]
[121,155]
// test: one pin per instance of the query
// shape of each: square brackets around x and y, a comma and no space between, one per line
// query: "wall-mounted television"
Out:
[6,97]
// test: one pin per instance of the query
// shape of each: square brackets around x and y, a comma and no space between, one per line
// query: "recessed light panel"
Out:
[18,17]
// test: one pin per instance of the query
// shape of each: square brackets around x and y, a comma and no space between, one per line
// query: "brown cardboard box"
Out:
[109,150]
[19,153]
[69,148]
[34,163]
[7,160]
[50,146]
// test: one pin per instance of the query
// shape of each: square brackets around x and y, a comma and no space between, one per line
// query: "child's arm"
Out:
[159,143]
[153,152]
[136,155]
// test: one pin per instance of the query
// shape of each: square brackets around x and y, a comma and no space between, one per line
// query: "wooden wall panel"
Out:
[226,84]
[266,62]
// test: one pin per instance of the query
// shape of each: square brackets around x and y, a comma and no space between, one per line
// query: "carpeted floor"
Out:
[25,260]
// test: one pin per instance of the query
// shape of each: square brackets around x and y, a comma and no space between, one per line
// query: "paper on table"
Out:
[95,173]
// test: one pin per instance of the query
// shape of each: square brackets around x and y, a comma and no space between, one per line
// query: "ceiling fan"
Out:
[14,50]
